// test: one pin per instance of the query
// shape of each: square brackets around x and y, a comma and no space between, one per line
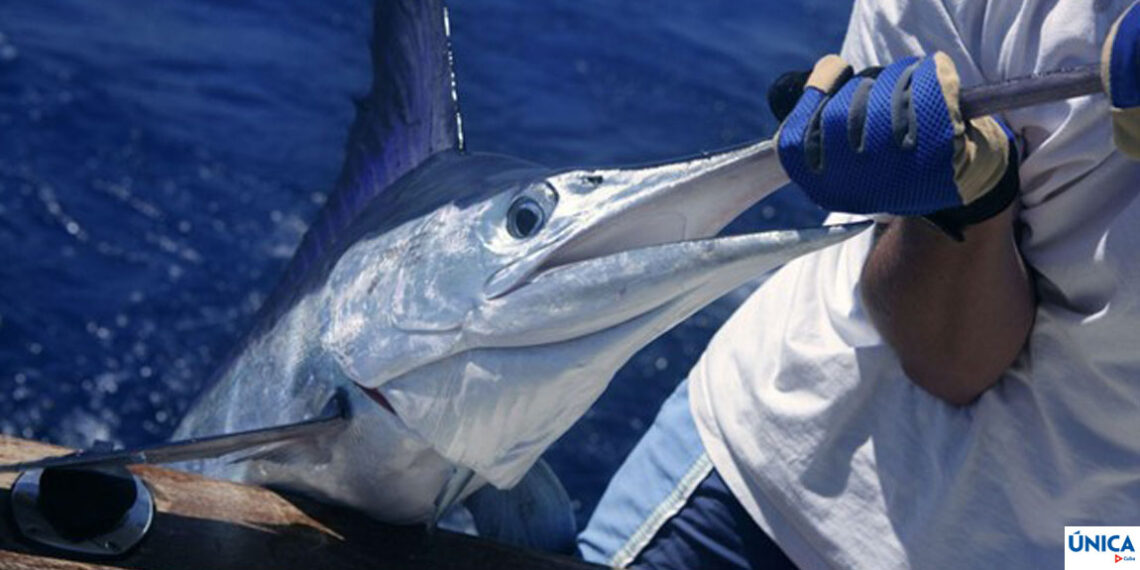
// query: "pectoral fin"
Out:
[536,513]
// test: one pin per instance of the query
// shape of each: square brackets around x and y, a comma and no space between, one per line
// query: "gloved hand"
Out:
[892,140]
[1120,71]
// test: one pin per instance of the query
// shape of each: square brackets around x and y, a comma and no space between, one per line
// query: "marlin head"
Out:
[491,322]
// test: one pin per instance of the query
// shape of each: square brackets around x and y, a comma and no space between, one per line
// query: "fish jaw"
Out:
[495,407]
[586,296]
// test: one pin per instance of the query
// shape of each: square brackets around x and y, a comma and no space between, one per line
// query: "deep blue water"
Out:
[160,160]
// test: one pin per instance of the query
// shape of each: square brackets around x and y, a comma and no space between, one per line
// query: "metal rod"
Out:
[1031,90]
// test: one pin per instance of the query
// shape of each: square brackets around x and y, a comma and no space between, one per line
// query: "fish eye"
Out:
[524,218]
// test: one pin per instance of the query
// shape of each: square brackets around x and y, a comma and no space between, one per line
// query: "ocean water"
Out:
[160,160]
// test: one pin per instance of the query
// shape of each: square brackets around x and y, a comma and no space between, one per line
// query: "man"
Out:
[956,387]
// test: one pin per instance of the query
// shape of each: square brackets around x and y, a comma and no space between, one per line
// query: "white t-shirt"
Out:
[808,416]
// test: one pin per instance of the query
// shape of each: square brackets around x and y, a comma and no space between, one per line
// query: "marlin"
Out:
[470,306]
[465,309]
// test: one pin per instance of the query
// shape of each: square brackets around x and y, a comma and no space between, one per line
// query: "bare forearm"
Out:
[957,313]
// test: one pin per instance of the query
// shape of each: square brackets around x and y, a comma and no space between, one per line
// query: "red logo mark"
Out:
[1118,559]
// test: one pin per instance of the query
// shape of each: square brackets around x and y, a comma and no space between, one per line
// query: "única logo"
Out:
[1100,543]
[1092,547]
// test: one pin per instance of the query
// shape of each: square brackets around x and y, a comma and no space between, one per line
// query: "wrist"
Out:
[954,221]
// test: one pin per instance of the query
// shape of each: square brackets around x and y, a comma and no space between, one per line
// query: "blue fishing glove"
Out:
[892,140]
[1120,71]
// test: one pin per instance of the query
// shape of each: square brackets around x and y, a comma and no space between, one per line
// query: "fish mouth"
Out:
[566,300]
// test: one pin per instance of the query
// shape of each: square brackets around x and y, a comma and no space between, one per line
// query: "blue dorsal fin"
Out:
[409,114]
